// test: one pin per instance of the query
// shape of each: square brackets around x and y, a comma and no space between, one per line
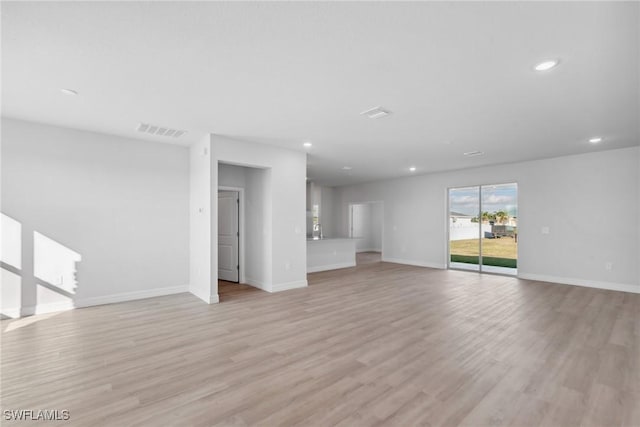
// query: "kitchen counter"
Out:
[330,253]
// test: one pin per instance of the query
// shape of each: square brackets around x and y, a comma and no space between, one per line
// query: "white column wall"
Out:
[283,195]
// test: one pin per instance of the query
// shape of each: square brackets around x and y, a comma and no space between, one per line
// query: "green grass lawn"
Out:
[501,252]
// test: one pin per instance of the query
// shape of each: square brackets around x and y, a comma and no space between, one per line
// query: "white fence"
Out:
[466,230]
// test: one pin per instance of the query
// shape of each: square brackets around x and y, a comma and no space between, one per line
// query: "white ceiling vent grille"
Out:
[376,113]
[474,153]
[159,130]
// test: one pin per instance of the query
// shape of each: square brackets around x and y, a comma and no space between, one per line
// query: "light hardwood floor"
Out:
[378,344]
[229,291]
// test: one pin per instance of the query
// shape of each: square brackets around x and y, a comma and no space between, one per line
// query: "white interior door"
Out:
[228,236]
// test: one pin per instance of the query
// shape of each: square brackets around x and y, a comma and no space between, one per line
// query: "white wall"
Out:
[232,176]
[590,202]
[367,226]
[326,212]
[282,194]
[323,196]
[376,226]
[314,197]
[258,265]
[361,226]
[200,265]
[101,218]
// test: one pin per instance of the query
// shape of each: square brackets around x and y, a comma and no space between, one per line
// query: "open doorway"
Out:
[242,218]
[230,245]
[483,228]
[366,227]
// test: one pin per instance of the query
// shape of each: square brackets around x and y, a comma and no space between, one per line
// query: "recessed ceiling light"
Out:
[375,113]
[347,168]
[546,65]
[69,91]
[595,140]
[307,144]
[412,169]
[474,153]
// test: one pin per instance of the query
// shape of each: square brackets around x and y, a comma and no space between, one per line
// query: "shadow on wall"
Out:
[34,282]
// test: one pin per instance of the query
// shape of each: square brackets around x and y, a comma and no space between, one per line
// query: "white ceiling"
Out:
[457,76]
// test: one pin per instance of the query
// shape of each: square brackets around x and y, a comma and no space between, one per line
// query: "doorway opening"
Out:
[243,215]
[366,226]
[483,228]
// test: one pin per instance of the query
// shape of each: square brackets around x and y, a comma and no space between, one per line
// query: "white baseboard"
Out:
[92,301]
[257,284]
[204,295]
[611,286]
[131,296]
[13,312]
[330,267]
[52,307]
[278,287]
[30,310]
[415,263]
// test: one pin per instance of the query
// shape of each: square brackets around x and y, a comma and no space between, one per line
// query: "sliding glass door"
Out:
[464,228]
[483,228]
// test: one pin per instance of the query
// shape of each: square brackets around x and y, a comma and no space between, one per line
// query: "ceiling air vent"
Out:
[159,130]
[474,153]
[376,113]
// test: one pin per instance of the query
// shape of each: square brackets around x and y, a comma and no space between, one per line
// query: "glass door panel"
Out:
[500,228]
[464,228]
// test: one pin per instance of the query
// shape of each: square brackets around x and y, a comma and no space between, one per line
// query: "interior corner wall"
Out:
[361,223]
[327,207]
[200,265]
[376,226]
[590,202]
[95,218]
[367,225]
[257,269]
[282,178]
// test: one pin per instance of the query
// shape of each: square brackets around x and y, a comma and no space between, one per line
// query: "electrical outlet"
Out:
[608,266]
[545,230]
